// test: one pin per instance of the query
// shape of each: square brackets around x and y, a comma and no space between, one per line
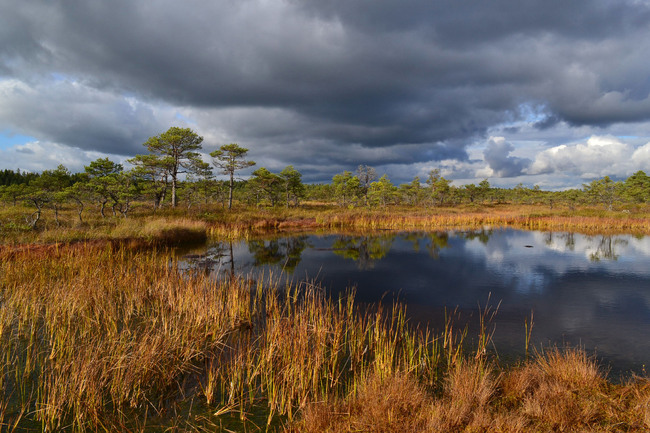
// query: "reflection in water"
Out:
[435,242]
[363,249]
[605,249]
[285,252]
[569,240]
[592,291]
[219,257]
[483,235]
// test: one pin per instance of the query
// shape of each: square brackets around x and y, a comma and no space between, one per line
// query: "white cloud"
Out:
[597,157]
[37,156]
[641,157]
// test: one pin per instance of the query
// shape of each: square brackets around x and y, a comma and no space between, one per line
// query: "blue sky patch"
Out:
[8,140]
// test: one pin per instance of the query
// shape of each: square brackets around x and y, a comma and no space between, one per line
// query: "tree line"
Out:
[173,172]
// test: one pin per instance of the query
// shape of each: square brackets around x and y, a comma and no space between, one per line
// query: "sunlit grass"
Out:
[100,337]
[245,221]
[556,391]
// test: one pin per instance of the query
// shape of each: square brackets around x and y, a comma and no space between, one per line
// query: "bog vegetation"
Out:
[101,331]
[172,175]
[111,338]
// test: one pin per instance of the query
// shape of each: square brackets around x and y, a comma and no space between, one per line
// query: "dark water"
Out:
[587,291]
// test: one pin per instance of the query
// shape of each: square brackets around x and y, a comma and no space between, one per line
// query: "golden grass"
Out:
[382,404]
[246,221]
[98,336]
[161,230]
[559,391]
[146,229]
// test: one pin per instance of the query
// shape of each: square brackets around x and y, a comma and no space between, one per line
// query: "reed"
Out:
[583,224]
[100,337]
[243,221]
[560,390]
[246,224]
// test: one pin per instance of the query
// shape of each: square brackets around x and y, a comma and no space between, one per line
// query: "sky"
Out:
[552,93]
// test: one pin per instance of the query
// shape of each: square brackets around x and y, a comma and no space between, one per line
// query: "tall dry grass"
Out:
[244,223]
[558,391]
[163,228]
[104,338]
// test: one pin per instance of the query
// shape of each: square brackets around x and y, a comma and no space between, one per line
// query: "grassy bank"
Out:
[587,220]
[169,225]
[98,337]
[154,230]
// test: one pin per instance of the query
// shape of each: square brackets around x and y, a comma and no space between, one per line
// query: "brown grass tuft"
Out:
[382,405]
[561,389]
[469,388]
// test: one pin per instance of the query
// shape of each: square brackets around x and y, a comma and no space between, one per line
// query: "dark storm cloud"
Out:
[343,75]
[468,22]
[78,116]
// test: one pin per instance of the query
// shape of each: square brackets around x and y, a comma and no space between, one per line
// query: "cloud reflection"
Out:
[584,290]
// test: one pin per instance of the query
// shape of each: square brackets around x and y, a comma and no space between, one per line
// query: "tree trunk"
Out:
[232,262]
[232,183]
[174,180]
[80,209]
[36,216]
[124,209]
[101,210]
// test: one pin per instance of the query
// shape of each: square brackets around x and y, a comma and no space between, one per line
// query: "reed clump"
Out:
[448,219]
[244,221]
[244,224]
[100,337]
[560,390]
[104,337]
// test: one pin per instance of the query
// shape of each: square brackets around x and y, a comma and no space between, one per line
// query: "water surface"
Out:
[588,291]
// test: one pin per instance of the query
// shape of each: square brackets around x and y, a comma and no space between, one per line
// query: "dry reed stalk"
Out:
[99,336]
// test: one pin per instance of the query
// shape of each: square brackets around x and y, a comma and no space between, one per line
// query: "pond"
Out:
[579,290]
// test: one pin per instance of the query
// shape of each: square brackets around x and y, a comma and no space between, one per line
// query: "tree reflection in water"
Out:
[364,250]
[219,257]
[569,240]
[605,248]
[436,242]
[286,252]
[482,235]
